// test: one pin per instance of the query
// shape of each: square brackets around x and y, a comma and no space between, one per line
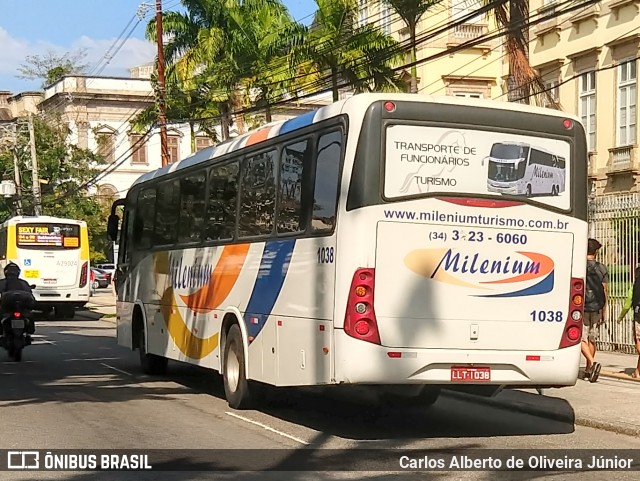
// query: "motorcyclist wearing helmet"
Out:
[13,283]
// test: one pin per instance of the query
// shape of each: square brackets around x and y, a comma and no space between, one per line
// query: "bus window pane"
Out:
[145,218]
[223,195]
[291,180]
[3,244]
[327,181]
[258,195]
[167,211]
[192,197]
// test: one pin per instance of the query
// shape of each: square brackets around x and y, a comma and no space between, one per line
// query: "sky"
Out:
[35,27]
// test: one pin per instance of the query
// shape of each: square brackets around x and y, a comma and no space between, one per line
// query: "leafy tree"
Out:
[64,170]
[51,67]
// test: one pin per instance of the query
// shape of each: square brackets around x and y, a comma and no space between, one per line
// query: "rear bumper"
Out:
[360,362]
[61,297]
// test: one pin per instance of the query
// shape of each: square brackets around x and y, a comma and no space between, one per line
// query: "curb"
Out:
[576,419]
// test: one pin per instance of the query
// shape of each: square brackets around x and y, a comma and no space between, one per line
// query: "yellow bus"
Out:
[53,254]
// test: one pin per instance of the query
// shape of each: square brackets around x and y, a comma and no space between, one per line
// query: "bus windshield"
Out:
[48,236]
[506,171]
[508,151]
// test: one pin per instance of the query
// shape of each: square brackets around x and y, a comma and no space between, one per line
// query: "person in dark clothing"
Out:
[11,288]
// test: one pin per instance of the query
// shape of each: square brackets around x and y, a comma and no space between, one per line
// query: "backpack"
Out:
[594,297]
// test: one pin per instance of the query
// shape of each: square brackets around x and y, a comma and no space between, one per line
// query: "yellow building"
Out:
[471,72]
[589,60]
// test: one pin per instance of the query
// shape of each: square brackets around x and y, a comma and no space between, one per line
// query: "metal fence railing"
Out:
[615,221]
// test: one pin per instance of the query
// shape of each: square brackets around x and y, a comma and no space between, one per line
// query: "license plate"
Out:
[470,374]
[17,323]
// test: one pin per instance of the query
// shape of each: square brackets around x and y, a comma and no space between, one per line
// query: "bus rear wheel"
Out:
[529,190]
[236,386]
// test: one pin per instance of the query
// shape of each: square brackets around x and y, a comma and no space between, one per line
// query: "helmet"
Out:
[11,270]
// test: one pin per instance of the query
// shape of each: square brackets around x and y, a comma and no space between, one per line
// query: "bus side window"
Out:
[327,182]
[192,199]
[126,236]
[144,220]
[257,194]
[222,202]
[294,164]
[167,212]
[3,243]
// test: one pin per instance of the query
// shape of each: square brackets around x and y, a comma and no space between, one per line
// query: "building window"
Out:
[139,148]
[106,145]
[587,106]
[203,142]
[385,18]
[469,95]
[363,12]
[627,95]
[173,145]
[551,88]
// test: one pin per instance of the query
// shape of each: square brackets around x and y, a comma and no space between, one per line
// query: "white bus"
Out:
[53,254]
[358,244]
[518,168]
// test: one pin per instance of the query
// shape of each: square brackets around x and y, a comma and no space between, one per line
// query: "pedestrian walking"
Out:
[595,302]
[633,302]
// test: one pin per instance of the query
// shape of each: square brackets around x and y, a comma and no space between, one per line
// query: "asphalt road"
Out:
[77,389]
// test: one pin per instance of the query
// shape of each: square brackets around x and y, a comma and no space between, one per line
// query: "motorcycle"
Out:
[15,322]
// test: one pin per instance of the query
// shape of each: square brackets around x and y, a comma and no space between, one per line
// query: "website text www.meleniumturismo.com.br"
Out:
[476,219]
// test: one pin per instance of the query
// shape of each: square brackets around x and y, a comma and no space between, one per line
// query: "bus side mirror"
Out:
[32,286]
[483,159]
[112,227]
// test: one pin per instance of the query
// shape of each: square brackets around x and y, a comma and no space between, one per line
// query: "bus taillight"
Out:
[84,274]
[572,333]
[360,318]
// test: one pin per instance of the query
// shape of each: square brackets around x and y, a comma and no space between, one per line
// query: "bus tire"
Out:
[151,364]
[529,190]
[236,386]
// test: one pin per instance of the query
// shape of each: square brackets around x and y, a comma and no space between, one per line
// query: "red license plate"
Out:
[470,374]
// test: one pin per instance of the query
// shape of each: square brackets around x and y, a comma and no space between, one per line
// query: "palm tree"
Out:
[335,47]
[262,33]
[411,11]
[525,82]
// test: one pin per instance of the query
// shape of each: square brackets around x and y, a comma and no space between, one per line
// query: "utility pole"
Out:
[34,163]
[162,113]
[16,171]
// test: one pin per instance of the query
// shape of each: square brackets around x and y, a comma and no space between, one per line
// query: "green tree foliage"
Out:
[224,56]
[64,171]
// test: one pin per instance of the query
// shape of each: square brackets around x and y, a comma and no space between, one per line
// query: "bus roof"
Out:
[42,218]
[358,102]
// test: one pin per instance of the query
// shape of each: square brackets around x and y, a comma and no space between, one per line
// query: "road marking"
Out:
[268,428]
[116,369]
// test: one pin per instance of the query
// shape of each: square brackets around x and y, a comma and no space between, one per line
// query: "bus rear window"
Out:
[433,160]
[48,236]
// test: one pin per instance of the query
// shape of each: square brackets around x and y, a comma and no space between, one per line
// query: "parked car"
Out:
[110,268]
[99,278]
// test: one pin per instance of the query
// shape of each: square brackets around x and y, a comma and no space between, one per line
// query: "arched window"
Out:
[107,194]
